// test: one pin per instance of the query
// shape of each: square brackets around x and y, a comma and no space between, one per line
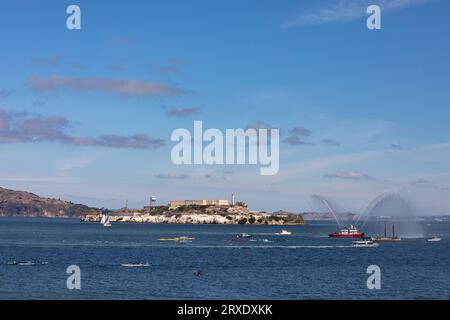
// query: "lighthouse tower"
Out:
[233,199]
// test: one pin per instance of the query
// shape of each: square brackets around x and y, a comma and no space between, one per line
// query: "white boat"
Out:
[103,219]
[365,243]
[107,222]
[244,236]
[434,239]
[285,233]
[135,265]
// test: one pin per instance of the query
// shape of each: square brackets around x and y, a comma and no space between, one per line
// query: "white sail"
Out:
[104,219]
[107,222]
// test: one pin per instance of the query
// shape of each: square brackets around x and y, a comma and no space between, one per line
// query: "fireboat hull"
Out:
[355,235]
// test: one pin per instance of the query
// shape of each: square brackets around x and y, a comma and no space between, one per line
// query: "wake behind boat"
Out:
[26,263]
[182,239]
[351,232]
[243,236]
[136,265]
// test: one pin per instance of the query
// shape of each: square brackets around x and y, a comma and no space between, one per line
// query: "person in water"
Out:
[199,273]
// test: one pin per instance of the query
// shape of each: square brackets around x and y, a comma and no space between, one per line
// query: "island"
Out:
[194,213]
[26,204]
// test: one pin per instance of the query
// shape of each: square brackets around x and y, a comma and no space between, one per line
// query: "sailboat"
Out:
[386,238]
[105,220]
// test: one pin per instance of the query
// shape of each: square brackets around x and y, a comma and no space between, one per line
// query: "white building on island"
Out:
[203,202]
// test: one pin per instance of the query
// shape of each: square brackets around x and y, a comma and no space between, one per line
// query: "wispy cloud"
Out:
[348,10]
[52,61]
[348,175]
[300,131]
[122,87]
[296,141]
[171,176]
[122,41]
[395,146]
[330,142]
[39,103]
[297,135]
[23,128]
[78,66]
[258,125]
[174,67]
[4,93]
[219,175]
[419,181]
[116,67]
[183,112]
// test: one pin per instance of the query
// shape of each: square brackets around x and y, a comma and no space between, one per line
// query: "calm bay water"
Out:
[305,265]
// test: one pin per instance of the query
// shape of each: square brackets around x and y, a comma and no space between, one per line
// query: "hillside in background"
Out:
[20,203]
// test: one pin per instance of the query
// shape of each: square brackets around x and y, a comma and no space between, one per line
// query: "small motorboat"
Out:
[285,233]
[244,236]
[365,243]
[434,239]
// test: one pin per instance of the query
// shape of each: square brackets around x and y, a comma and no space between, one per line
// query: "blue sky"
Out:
[373,106]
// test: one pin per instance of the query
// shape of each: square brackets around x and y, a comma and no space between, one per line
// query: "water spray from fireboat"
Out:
[387,207]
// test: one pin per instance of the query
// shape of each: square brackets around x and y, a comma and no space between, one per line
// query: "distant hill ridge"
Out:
[344,216]
[21,203]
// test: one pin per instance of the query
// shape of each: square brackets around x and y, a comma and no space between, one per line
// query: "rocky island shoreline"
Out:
[209,214]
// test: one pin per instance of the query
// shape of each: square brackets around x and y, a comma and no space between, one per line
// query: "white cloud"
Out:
[348,10]
[348,175]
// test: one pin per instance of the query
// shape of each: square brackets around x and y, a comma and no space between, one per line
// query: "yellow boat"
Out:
[177,239]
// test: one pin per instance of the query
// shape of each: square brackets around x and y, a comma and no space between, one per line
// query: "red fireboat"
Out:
[351,232]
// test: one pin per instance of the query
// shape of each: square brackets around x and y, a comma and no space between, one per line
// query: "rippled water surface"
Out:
[34,255]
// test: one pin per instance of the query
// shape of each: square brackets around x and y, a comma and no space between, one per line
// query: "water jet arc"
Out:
[327,204]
